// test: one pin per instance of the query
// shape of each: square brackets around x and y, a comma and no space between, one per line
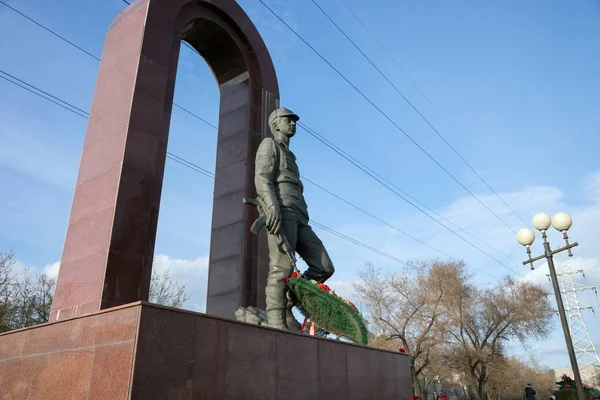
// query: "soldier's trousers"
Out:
[306,243]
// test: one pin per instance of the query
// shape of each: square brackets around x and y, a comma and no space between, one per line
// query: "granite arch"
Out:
[109,246]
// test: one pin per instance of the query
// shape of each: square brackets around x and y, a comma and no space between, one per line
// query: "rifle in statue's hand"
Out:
[262,216]
[261,222]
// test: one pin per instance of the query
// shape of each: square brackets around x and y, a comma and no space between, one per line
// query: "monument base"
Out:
[146,351]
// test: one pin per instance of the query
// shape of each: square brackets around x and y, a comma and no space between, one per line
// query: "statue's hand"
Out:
[274,220]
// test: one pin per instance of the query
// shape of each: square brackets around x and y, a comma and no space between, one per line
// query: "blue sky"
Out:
[516,80]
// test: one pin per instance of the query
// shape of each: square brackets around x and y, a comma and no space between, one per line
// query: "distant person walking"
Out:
[436,396]
[529,392]
[443,395]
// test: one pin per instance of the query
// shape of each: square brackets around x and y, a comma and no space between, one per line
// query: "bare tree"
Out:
[412,308]
[27,301]
[7,280]
[483,320]
[32,300]
[165,291]
[509,376]
[23,301]
[436,370]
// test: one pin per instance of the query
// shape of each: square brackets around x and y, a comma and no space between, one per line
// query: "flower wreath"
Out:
[332,313]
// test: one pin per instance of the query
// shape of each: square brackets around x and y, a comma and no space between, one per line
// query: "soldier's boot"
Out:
[276,301]
[276,318]
[290,320]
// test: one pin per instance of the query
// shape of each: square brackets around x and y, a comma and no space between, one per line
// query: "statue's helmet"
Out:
[282,112]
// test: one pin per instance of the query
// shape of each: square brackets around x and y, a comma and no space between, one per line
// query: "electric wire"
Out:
[437,132]
[48,30]
[435,108]
[41,94]
[329,144]
[386,116]
[84,114]
[96,57]
[344,154]
[362,210]
[352,240]
[304,178]
[373,176]
[204,171]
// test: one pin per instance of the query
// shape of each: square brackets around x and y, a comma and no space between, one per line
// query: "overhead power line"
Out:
[386,116]
[362,210]
[69,107]
[94,56]
[400,195]
[356,242]
[337,150]
[304,178]
[49,30]
[386,182]
[437,132]
[45,95]
[437,110]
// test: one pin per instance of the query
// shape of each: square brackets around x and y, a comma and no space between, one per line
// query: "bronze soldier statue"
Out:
[280,190]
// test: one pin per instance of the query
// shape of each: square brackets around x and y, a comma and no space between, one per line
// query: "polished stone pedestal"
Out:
[145,351]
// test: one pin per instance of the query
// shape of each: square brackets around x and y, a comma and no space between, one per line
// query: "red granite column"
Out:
[107,257]
[237,273]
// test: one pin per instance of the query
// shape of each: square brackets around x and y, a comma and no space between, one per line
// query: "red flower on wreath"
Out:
[324,287]
[350,303]
[293,275]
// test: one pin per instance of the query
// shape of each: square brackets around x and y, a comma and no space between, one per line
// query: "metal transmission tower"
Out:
[586,352]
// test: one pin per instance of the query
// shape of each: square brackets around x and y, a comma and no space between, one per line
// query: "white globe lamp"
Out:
[541,221]
[562,221]
[525,236]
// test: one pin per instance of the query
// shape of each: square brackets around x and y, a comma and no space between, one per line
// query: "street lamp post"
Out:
[561,222]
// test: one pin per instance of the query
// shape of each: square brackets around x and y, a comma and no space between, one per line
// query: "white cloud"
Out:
[539,274]
[465,212]
[181,267]
[52,269]
[590,267]
[342,288]
[192,273]
[19,268]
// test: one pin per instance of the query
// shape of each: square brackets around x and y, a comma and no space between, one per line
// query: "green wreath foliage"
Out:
[327,311]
